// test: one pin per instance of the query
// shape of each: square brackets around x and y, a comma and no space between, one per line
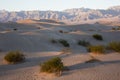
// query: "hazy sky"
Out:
[17,5]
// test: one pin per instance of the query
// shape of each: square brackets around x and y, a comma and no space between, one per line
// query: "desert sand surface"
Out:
[33,38]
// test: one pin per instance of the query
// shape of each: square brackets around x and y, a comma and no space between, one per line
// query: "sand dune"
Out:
[34,39]
[29,37]
[42,21]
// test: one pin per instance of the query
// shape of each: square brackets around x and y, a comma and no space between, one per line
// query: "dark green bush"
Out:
[113,28]
[98,49]
[53,65]
[53,41]
[64,43]
[83,43]
[97,37]
[114,46]
[14,57]
[15,29]
[61,31]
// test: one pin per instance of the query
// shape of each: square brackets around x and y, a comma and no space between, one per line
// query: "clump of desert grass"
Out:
[97,49]
[13,57]
[54,65]
[115,46]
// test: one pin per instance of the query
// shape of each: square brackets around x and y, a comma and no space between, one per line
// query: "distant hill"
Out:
[76,15]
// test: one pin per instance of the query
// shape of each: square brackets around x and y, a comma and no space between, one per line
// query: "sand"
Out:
[79,70]
[34,40]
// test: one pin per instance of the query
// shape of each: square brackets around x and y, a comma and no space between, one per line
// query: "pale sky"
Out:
[58,5]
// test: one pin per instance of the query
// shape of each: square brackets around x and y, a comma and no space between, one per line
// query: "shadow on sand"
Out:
[81,66]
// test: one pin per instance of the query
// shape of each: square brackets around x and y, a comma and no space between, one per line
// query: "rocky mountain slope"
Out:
[69,15]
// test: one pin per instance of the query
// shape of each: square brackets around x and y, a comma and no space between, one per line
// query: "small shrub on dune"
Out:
[114,46]
[15,29]
[97,37]
[64,43]
[83,43]
[53,41]
[53,65]
[98,49]
[113,28]
[61,31]
[14,57]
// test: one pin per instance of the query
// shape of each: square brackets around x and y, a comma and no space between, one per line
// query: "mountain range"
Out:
[69,15]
